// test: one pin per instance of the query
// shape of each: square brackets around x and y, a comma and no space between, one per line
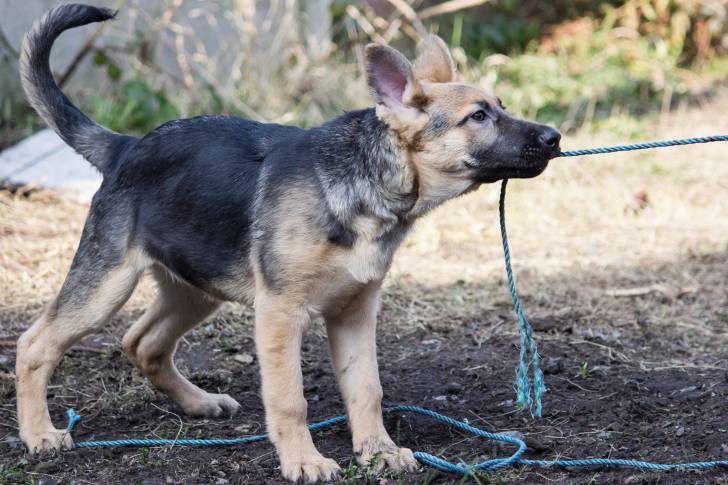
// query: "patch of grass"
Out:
[133,106]
[584,371]
[355,473]
[14,473]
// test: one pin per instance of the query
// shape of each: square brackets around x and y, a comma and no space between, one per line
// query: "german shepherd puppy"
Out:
[303,223]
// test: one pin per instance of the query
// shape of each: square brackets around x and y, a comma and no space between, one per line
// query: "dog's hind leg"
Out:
[151,343]
[101,279]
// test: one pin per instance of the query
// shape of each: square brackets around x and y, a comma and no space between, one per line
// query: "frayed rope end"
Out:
[73,419]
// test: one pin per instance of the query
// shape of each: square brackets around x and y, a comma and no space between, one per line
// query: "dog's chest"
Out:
[350,270]
[366,261]
[370,256]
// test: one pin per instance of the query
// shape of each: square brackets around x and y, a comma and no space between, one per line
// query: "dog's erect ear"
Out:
[390,77]
[434,62]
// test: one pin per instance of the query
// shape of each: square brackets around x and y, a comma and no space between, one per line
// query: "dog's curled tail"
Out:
[84,135]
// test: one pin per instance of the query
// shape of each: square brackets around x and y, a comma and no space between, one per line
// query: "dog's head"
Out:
[457,135]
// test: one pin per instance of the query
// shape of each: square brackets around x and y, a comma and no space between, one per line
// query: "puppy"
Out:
[302,223]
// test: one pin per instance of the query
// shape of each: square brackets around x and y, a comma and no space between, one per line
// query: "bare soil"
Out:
[610,395]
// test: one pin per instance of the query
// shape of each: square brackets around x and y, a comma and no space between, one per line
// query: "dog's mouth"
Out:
[539,154]
[531,162]
[534,160]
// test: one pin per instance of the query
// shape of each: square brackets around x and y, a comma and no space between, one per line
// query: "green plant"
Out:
[584,371]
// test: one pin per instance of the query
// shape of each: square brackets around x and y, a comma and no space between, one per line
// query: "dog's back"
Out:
[187,180]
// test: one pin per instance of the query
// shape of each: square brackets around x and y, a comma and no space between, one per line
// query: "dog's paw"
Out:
[381,453]
[45,441]
[211,406]
[310,468]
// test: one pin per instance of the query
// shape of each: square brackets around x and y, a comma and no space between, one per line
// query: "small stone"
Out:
[244,358]
[554,365]
[439,398]
[243,428]
[13,442]
[4,359]
[724,448]
[604,434]
[221,481]
[538,444]
[680,431]
[454,388]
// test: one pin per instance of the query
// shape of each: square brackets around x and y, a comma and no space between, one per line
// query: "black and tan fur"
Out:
[302,223]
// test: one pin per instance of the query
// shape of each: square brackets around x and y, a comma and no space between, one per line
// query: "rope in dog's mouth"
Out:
[529,381]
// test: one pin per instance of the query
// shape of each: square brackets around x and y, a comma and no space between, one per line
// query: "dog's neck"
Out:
[364,165]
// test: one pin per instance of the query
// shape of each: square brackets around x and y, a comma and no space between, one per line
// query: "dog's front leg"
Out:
[352,336]
[279,327]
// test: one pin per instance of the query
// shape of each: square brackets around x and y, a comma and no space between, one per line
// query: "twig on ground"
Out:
[575,384]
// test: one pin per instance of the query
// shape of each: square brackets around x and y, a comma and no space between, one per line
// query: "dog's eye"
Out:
[478,116]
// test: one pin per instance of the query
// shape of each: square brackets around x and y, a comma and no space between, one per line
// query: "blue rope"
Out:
[644,146]
[528,393]
[424,458]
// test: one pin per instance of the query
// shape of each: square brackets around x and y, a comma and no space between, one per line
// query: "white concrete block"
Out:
[44,159]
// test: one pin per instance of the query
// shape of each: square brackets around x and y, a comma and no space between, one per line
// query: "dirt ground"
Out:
[622,262]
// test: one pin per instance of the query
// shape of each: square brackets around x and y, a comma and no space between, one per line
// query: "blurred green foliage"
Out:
[573,63]
[599,64]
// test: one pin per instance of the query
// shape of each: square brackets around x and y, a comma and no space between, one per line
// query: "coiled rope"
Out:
[529,386]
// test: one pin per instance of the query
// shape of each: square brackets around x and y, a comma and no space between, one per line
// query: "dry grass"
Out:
[39,233]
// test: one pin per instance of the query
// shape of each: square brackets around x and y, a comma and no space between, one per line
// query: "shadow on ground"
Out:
[629,377]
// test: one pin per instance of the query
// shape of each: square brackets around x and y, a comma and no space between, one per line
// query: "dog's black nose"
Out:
[549,138]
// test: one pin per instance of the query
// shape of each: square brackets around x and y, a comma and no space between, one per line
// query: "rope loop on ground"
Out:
[427,459]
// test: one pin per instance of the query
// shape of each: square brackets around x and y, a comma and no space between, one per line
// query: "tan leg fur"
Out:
[65,322]
[279,324]
[352,336]
[151,343]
